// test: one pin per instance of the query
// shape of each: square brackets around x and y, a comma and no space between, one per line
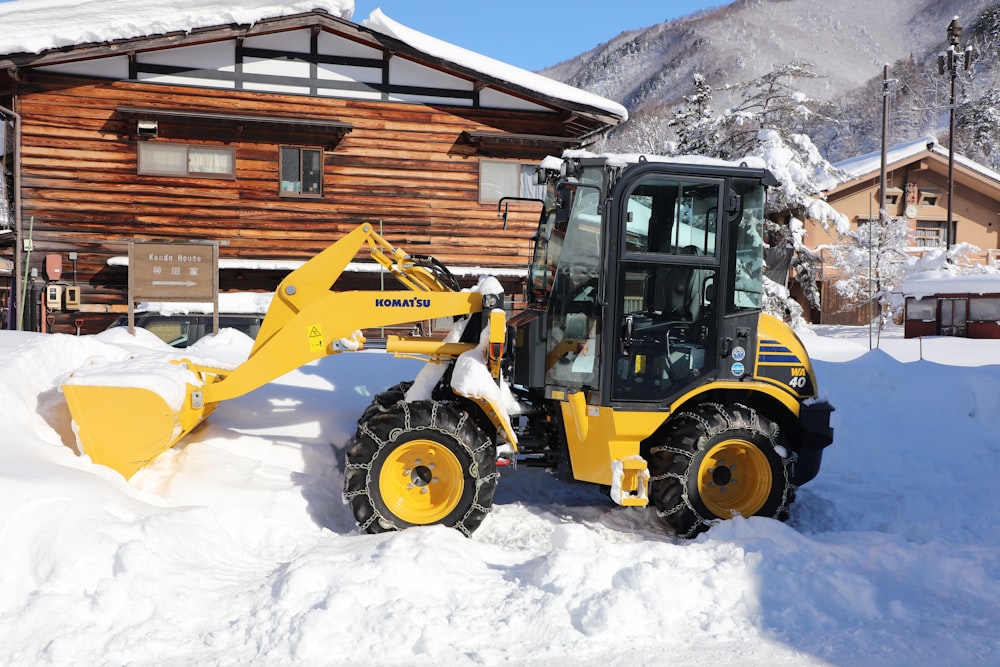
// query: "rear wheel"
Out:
[417,464]
[716,462]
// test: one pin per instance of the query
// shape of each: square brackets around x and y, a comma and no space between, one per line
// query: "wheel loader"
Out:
[641,363]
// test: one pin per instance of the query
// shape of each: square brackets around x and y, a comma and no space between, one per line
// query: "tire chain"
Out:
[732,420]
[481,480]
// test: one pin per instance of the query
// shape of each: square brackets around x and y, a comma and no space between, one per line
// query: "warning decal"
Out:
[315,339]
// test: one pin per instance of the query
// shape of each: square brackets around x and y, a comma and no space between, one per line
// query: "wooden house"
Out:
[269,140]
[917,191]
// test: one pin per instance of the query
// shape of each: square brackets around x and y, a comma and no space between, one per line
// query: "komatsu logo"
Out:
[402,303]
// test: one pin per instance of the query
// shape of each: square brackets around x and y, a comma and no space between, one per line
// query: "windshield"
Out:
[574,310]
[567,204]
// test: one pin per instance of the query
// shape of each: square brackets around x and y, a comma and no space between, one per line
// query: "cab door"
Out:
[667,284]
[689,284]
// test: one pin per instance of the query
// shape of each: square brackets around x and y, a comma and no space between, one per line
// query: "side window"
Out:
[748,288]
[672,217]
[301,172]
[168,159]
[507,178]
[668,329]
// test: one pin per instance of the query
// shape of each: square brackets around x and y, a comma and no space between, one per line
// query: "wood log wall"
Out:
[403,166]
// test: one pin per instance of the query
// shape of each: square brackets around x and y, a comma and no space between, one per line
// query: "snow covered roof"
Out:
[929,283]
[864,165]
[499,70]
[38,26]
[34,26]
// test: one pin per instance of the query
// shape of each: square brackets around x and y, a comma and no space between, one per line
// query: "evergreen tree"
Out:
[695,124]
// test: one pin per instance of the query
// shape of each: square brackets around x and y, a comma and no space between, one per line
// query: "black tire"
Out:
[385,400]
[420,463]
[691,489]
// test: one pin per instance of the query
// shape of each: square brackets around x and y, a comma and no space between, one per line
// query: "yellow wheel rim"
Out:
[421,481]
[734,478]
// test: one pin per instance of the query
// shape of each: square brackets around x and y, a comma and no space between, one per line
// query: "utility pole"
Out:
[947,63]
[882,213]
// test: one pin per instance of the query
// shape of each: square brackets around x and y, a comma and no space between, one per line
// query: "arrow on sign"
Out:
[175,283]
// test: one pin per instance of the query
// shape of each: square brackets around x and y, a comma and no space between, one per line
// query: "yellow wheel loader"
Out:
[642,362]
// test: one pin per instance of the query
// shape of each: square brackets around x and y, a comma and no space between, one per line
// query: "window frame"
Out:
[299,194]
[522,165]
[186,173]
[922,233]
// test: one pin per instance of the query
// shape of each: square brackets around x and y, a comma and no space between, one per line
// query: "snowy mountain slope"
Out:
[847,41]
[235,548]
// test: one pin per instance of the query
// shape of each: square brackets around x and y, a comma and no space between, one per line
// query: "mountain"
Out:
[847,42]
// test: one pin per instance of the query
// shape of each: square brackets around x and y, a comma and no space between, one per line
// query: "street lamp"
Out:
[947,62]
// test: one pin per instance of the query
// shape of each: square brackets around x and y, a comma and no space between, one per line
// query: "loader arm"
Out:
[328,325]
[312,281]
[306,321]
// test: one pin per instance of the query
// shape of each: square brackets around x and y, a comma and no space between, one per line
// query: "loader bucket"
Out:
[126,428]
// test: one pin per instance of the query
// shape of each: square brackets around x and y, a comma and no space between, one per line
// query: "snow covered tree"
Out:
[873,260]
[770,101]
[979,123]
[645,132]
[695,124]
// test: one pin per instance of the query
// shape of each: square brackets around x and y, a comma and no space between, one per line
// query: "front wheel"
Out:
[417,464]
[716,462]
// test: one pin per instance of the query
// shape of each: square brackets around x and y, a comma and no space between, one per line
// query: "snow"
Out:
[235,547]
[33,26]
[229,302]
[940,281]
[863,165]
[379,22]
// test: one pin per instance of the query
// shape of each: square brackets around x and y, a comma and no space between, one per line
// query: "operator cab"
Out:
[629,278]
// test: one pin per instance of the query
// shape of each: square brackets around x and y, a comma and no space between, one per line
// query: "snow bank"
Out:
[235,547]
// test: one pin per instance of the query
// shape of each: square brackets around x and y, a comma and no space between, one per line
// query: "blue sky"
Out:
[532,34]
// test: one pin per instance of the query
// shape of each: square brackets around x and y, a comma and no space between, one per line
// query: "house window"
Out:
[921,309]
[167,159]
[930,234]
[929,196]
[984,309]
[892,196]
[301,172]
[507,178]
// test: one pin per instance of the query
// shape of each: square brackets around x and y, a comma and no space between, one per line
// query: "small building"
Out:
[938,303]
[267,135]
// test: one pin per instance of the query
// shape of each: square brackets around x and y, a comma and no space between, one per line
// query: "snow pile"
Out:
[235,547]
[229,302]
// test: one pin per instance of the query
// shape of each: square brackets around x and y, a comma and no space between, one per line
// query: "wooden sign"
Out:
[173,271]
